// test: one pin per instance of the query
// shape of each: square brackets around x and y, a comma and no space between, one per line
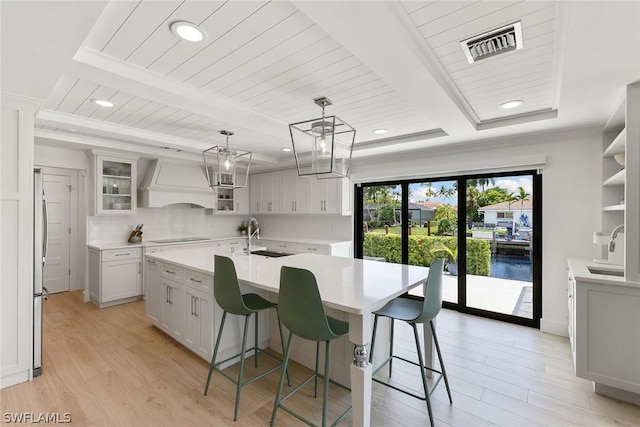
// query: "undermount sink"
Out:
[605,271]
[270,254]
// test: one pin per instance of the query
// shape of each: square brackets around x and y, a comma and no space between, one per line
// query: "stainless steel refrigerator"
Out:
[39,262]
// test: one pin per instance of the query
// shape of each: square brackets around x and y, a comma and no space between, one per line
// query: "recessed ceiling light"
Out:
[380,131]
[187,31]
[511,104]
[286,149]
[103,102]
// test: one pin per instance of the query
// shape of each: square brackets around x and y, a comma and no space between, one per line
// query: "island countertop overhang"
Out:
[347,284]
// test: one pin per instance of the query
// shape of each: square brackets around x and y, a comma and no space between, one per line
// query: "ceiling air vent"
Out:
[492,43]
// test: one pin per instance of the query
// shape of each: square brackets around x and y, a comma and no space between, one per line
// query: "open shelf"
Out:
[616,179]
[613,208]
[617,145]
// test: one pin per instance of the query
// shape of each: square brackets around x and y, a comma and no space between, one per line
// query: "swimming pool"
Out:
[511,267]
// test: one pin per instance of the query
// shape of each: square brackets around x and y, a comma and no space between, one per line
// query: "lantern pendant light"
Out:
[323,147]
[227,167]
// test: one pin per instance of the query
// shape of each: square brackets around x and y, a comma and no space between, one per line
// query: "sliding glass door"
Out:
[487,227]
[499,246]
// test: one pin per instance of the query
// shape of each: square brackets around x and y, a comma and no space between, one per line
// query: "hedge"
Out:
[387,246]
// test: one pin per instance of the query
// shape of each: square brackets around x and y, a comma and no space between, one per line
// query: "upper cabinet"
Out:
[621,177]
[286,192]
[114,184]
[232,201]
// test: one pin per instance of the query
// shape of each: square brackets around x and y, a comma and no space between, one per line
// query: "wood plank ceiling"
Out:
[269,60]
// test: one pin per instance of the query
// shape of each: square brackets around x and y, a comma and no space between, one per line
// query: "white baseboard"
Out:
[616,393]
[553,327]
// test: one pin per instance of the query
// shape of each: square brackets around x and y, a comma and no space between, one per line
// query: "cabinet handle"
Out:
[170,272]
[194,280]
[170,295]
[140,267]
[166,295]
[128,253]
[193,310]
[312,249]
[295,206]
[196,311]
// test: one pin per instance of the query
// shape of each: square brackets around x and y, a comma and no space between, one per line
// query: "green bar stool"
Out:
[228,296]
[302,312]
[416,312]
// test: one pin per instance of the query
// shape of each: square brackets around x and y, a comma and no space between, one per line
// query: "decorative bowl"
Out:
[619,158]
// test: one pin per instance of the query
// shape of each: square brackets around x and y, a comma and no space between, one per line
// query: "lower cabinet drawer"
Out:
[316,249]
[172,272]
[199,281]
[121,254]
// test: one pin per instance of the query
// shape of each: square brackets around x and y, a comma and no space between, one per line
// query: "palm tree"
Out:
[521,197]
[510,199]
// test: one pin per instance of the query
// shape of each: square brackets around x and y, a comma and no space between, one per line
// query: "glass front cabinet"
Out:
[115,184]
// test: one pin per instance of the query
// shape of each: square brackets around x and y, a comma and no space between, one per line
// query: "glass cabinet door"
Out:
[116,186]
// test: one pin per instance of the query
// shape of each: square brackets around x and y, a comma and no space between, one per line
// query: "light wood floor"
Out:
[110,367]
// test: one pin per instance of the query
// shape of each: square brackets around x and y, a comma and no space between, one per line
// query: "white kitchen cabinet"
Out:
[171,321]
[181,303]
[115,276]
[114,184]
[198,324]
[241,200]
[330,196]
[16,185]
[604,330]
[153,293]
[286,192]
[295,192]
[265,193]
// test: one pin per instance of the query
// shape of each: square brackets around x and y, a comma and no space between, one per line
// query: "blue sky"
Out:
[511,183]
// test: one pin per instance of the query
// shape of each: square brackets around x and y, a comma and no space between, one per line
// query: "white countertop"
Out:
[122,245]
[581,272]
[309,240]
[347,284]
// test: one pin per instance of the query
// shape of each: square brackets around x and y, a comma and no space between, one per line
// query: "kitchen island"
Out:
[351,287]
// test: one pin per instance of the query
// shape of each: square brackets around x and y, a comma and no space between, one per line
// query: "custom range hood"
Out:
[167,183]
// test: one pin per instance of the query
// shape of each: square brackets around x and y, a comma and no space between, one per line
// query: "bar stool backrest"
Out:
[300,306]
[433,292]
[226,288]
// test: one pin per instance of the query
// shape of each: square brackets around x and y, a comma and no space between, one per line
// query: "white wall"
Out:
[571,195]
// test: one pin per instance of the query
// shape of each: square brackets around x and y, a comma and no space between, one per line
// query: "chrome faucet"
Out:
[614,234]
[252,232]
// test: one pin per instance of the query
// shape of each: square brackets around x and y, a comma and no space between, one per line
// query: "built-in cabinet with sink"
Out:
[114,183]
[604,329]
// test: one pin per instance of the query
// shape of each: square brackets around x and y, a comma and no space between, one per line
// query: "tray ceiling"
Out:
[392,65]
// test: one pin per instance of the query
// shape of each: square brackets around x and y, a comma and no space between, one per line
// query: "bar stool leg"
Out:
[215,353]
[285,366]
[282,343]
[444,372]
[325,398]
[239,386]
[391,347]
[422,372]
[315,380]
[255,342]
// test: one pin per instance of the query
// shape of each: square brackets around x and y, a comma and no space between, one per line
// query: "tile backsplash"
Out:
[172,221]
[181,220]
